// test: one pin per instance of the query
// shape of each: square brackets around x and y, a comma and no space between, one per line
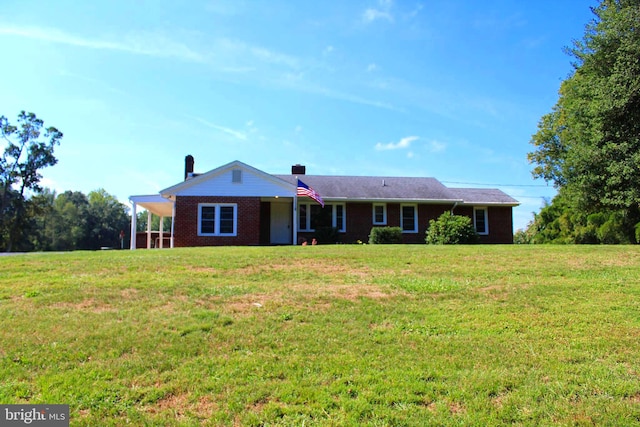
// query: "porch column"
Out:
[134,226]
[161,232]
[148,229]
[173,223]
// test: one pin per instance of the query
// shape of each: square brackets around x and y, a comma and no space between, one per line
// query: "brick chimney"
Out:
[188,166]
[298,169]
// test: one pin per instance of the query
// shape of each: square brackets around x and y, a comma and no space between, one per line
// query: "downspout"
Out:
[454,206]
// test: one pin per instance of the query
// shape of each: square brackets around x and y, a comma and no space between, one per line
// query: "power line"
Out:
[532,197]
[496,185]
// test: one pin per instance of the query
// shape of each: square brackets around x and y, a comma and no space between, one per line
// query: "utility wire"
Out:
[496,185]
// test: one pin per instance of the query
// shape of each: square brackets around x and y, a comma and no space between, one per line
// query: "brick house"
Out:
[237,204]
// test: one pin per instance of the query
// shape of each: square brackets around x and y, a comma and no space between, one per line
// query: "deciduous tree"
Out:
[29,147]
[590,143]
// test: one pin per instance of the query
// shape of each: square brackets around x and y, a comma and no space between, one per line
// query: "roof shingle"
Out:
[396,188]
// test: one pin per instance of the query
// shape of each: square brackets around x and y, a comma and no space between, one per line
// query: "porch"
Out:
[154,205]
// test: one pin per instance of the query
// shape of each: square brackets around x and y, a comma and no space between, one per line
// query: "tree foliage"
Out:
[450,229]
[559,222]
[141,222]
[29,147]
[589,145]
[72,220]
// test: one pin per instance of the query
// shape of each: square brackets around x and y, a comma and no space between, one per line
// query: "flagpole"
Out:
[295,214]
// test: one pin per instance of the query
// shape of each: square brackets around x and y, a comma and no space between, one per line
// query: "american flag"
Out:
[305,190]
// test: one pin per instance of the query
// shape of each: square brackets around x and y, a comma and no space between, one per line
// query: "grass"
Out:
[326,335]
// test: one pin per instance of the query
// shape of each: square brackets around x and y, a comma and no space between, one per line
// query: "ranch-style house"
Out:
[237,204]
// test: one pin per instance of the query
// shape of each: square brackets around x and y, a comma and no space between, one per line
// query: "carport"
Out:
[157,205]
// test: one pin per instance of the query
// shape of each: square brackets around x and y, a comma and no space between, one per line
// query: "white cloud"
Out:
[371,15]
[371,67]
[236,134]
[403,143]
[415,11]
[381,11]
[260,64]
[436,146]
[138,43]
[225,8]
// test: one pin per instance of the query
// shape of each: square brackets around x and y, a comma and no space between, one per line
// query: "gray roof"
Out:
[373,188]
[484,196]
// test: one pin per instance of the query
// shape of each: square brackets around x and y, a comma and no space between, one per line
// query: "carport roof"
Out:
[154,203]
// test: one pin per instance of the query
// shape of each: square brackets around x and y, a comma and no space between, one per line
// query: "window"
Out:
[312,216]
[480,220]
[409,218]
[302,217]
[338,211]
[207,220]
[380,214]
[236,176]
[217,219]
[227,219]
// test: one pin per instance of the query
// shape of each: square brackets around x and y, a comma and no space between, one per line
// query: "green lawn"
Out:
[326,335]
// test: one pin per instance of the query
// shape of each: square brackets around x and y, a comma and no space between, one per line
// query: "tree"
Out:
[24,156]
[589,144]
[71,221]
[107,218]
[560,223]
[37,230]
[68,228]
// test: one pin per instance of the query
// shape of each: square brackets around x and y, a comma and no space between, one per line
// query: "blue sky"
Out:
[451,89]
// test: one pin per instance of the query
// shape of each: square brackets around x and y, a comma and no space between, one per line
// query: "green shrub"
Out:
[451,229]
[522,237]
[613,230]
[326,235]
[385,235]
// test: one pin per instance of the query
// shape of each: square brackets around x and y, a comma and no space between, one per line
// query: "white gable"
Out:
[234,179]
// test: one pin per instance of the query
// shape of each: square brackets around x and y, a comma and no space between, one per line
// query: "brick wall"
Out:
[186,222]
[500,223]
[359,221]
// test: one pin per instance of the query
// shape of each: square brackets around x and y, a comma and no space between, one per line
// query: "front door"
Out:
[281,232]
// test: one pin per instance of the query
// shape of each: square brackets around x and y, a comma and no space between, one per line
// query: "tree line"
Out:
[33,218]
[72,220]
[588,146]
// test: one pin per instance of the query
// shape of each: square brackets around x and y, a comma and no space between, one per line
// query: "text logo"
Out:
[34,415]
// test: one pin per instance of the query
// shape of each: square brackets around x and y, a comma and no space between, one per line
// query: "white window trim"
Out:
[415,217]
[217,206]
[486,219]
[384,213]
[307,227]
[342,228]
